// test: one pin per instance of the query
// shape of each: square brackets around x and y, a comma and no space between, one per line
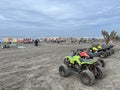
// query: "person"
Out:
[79,41]
[104,46]
[110,43]
[36,42]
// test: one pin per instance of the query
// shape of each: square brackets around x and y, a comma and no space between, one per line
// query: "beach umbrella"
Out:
[15,40]
[7,40]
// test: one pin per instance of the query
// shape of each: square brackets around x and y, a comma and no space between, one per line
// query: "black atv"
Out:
[110,49]
[102,53]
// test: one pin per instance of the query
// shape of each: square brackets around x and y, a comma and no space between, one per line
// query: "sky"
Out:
[63,18]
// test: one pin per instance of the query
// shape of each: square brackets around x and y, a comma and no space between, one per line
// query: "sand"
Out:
[36,68]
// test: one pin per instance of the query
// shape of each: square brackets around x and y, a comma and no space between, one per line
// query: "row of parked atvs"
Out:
[83,62]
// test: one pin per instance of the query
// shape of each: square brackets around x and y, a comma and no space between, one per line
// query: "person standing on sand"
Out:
[36,42]
[79,41]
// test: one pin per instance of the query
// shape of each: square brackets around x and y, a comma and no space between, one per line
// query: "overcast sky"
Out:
[58,17]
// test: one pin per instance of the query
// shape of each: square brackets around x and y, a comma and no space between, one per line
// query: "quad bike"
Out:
[109,48]
[88,69]
[102,53]
[84,54]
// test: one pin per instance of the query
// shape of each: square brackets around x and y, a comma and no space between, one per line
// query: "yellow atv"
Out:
[98,52]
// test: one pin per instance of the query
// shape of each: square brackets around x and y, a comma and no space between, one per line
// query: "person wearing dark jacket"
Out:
[36,42]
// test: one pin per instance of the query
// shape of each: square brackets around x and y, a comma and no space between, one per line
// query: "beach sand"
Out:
[36,68]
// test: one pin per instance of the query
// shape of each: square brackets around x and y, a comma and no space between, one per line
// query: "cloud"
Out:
[2,17]
[58,15]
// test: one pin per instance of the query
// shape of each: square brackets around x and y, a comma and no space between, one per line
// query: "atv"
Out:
[109,48]
[99,47]
[84,54]
[102,53]
[88,69]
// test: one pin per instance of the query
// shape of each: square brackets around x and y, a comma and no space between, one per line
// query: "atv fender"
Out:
[70,59]
[74,59]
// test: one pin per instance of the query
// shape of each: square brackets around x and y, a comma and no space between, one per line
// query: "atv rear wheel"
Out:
[63,70]
[103,55]
[100,72]
[87,77]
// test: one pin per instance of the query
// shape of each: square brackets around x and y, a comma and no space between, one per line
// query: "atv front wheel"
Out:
[63,70]
[112,51]
[108,52]
[103,55]
[87,77]
[100,72]
[102,62]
